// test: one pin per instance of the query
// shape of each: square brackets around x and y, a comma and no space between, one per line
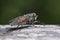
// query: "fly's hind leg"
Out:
[18,25]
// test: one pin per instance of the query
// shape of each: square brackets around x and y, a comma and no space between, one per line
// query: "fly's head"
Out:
[35,16]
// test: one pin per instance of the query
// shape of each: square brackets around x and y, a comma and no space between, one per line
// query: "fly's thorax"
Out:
[23,19]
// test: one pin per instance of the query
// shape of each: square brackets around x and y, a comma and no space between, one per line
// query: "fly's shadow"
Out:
[16,28]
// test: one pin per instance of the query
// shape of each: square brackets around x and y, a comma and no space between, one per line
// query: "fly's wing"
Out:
[17,21]
[14,21]
[11,20]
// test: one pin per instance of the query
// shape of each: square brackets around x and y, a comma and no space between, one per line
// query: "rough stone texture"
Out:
[40,32]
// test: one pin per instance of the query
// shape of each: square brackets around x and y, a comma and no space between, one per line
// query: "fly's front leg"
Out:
[34,24]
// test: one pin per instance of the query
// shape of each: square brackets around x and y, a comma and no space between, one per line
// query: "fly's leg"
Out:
[18,24]
[34,24]
[21,24]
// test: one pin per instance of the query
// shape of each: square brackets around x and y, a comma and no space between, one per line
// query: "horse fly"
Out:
[25,19]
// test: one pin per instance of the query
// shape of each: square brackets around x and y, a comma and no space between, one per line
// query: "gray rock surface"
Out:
[38,32]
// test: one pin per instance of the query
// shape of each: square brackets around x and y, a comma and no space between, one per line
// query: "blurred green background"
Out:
[48,10]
